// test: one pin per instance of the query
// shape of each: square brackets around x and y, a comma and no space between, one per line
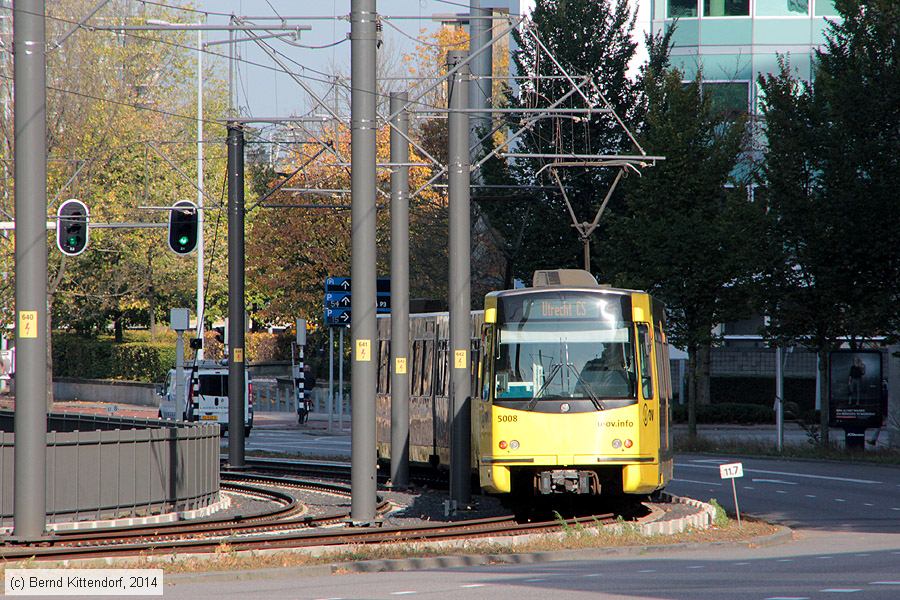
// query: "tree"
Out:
[830,180]
[686,229]
[116,106]
[586,38]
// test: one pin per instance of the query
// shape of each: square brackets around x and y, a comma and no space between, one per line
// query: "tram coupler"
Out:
[569,481]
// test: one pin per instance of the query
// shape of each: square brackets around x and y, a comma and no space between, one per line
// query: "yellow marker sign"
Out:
[459,359]
[364,350]
[238,355]
[400,366]
[28,324]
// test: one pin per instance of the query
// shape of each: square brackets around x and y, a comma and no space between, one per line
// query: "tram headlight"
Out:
[514,445]
[617,443]
[502,444]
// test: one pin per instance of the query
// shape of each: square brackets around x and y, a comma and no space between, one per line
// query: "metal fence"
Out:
[101,467]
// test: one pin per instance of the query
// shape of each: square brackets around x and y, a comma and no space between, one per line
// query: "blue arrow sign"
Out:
[337,284]
[337,316]
[337,299]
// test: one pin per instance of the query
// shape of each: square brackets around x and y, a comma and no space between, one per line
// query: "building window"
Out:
[682,8]
[726,8]
[729,98]
[782,8]
[825,8]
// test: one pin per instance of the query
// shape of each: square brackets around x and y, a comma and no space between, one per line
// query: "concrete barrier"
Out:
[105,390]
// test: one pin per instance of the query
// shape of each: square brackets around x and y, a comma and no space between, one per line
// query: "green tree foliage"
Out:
[586,37]
[830,176]
[121,125]
[686,230]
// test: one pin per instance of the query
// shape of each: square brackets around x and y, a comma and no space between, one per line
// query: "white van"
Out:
[206,390]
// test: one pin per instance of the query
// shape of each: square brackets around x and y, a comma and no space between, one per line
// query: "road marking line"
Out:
[741,564]
[785,560]
[697,567]
[824,557]
[839,500]
[748,487]
[647,571]
[535,579]
[810,495]
[406,593]
[895,508]
[781,481]
[695,481]
[862,554]
[885,583]
[472,585]
[592,575]
[803,475]
[780,492]
[868,504]
[840,590]
[788,598]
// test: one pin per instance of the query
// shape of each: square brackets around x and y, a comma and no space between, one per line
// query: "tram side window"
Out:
[443,368]
[660,364]
[645,347]
[474,379]
[416,380]
[384,367]
[427,367]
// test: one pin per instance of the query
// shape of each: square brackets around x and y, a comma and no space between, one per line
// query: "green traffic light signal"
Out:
[183,227]
[72,227]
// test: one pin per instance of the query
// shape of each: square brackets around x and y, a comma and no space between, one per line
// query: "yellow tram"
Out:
[571,389]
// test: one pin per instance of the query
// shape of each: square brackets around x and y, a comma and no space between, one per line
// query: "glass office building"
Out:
[733,41]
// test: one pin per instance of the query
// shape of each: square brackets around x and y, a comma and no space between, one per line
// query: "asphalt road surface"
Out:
[846,543]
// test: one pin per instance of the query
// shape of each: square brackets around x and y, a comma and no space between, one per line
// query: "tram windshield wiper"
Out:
[555,370]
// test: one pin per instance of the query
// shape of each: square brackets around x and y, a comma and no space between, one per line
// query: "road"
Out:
[846,543]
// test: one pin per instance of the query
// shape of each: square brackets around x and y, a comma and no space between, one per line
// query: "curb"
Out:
[701,520]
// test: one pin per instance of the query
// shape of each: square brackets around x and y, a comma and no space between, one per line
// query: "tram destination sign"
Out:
[338,296]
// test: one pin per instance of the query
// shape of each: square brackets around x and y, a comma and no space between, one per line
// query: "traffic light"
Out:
[72,227]
[183,223]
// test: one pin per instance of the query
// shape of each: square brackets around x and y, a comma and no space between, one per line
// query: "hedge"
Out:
[89,358]
[102,358]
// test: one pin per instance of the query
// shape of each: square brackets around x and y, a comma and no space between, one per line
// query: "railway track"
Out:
[287,524]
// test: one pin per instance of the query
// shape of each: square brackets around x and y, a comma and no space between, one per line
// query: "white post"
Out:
[200,302]
[779,401]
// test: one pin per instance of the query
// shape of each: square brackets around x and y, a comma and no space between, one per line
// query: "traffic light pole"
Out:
[236,304]
[363,37]
[30,487]
[399,292]
[460,301]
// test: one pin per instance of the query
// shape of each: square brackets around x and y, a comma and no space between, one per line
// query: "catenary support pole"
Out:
[460,301]
[29,494]
[399,292]
[480,67]
[363,37]
[236,304]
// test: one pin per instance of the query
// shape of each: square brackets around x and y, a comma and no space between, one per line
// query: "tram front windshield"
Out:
[550,360]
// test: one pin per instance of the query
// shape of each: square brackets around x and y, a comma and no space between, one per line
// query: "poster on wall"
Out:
[857,395]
